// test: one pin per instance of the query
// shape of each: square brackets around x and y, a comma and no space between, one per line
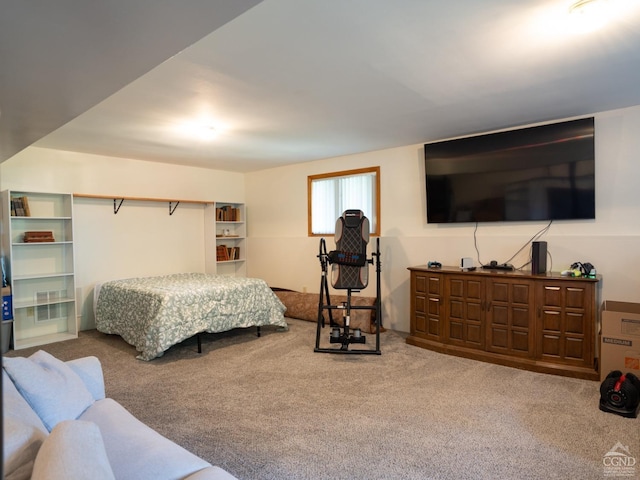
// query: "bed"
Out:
[155,313]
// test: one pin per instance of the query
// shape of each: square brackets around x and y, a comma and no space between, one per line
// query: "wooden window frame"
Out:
[344,173]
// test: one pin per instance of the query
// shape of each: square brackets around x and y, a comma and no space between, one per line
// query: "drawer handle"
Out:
[434,299]
[552,288]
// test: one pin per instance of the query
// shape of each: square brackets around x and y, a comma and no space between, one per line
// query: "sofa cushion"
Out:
[89,369]
[136,451]
[23,433]
[52,388]
[74,450]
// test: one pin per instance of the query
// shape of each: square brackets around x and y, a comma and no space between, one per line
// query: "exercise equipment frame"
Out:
[345,335]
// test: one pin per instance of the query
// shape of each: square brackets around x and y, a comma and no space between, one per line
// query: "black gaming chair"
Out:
[350,272]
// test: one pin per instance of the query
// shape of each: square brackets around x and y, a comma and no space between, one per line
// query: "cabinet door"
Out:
[510,316]
[464,311]
[426,295]
[566,322]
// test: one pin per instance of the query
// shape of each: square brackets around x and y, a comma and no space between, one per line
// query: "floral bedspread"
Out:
[154,313]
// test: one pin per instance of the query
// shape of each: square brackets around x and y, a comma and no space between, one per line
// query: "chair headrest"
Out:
[353,218]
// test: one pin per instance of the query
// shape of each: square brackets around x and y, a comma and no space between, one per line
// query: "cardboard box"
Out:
[7,309]
[620,338]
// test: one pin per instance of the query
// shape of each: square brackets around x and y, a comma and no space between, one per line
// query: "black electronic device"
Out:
[538,257]
[434,265]
[494,265]
[539,173]
[620,394]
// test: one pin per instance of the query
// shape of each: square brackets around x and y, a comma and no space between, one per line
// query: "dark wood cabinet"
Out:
[426,306]
[544,323]
[510,317]
[566,312]
[463,299]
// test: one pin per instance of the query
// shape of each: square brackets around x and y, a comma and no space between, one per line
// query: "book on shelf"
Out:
[228,213]
[224,253]
[38,236]
[20,207]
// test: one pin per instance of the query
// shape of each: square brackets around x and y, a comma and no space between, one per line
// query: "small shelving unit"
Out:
[226,238]
[41,273]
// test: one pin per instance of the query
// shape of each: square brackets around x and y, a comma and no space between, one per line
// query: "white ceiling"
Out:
[288,81]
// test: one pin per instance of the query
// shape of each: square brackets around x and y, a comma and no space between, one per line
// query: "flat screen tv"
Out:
[539,173]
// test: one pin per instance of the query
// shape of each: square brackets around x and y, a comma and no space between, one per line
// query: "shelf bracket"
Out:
[116,206]
[171,210]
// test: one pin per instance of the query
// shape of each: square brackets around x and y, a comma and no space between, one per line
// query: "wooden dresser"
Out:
[545,323]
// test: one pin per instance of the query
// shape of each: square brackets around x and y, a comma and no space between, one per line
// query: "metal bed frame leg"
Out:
[199,338]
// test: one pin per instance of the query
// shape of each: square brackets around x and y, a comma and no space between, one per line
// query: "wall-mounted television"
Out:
[542,173]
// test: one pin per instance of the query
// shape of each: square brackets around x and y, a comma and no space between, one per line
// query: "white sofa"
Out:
[59,425]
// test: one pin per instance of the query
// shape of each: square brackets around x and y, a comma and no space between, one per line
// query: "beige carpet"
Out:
[270,408]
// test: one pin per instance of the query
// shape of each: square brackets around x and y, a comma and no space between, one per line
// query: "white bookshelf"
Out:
[41,274]
[226,229]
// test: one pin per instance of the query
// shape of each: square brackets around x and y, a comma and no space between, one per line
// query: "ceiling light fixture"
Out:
[583,6]
[202,130]
[590,15]
[208,132]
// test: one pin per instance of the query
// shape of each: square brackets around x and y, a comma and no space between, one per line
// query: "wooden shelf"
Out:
[140,199]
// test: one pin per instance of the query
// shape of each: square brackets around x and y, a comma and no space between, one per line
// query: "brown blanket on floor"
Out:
[304,306]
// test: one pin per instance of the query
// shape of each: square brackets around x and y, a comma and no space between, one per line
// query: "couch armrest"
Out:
[89,370]
[211,473]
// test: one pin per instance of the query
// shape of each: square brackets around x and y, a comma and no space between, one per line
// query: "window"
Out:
[330,194]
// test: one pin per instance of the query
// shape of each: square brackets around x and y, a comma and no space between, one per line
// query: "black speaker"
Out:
[538,257]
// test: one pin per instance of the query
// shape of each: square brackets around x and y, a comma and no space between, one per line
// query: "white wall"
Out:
[281,252]
[142,239]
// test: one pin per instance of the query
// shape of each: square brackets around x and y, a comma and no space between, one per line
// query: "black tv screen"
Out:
[540,173]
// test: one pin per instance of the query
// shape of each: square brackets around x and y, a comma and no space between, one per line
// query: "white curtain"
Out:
[330,197]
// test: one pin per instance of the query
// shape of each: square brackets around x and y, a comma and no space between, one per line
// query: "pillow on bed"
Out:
[52,388]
